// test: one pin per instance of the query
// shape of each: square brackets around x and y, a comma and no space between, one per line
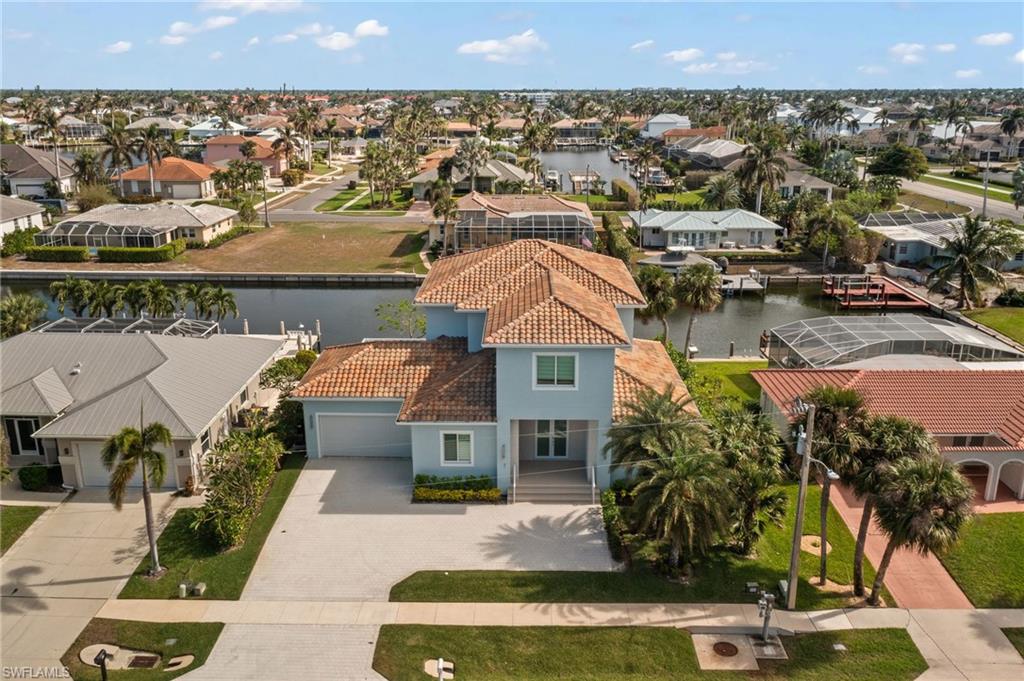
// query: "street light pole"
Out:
[984,192]
[798,524]
[266,210]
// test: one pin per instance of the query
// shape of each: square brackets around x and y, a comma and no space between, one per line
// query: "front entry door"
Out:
[552,439]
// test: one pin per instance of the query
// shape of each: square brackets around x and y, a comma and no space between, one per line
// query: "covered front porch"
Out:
[554,460]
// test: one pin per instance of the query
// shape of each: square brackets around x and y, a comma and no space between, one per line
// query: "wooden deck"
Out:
[871,293]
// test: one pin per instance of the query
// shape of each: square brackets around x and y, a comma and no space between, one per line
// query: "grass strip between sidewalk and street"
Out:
[995,192]
[988,561]
[190,638]
[632,654]
[928,204]
[1016,637]
[189,557]
[14,520]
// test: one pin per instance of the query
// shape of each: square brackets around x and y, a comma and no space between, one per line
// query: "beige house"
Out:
[173,178]
[139,226]
[17,214]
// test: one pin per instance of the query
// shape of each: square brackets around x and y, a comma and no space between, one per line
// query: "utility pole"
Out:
[984,193]
[803,448]
[266,209]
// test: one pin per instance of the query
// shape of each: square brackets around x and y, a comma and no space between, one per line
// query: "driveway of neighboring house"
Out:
[58,574]
[349,532]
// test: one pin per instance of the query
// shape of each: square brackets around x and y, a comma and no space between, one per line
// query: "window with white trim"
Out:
[456,449]
[204,440]
[554,371]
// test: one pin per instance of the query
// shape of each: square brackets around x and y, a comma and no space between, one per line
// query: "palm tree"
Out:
[446,209]
[134,298]
[918,121]
[658,289]
[196,294]
[133,449]
[655,422]
[286,143]
[972,258]
[151,146]
[160,298]
[329,127]
[890,439]
[48,122]
[470,157]
[827,218]
[762,168]
[88,168]
[117,152]
[222,303]
[722,192]
[923,506]
[699,289]
[1012,124]
[19,312]
[105,299]
[644,157]
[838,440]
[71,293]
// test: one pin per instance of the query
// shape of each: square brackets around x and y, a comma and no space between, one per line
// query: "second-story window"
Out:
[554,371]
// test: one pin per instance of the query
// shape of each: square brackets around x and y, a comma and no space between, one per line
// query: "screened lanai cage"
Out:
[163,326]
[565,228]
[834,341]
[100,235]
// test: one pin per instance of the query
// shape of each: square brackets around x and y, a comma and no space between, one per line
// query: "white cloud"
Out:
[284,38]
[15,34]
[967,73]
[118,47]
[688,54]
[945,47]
[253,41]
[214,56]
[642,45]
[211,24]
[337,41]
[729,68]
[371,28]
[511,50]
[250,6]
[993,39]
[1019,57]
[310,29]
[725,56]
[872,70]
[172,39]
[907,53]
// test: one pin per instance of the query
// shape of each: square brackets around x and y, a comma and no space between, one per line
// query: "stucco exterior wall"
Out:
[426,450]
[310,409]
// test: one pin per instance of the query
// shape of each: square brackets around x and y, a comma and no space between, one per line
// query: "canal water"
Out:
[597,159]
[348,315]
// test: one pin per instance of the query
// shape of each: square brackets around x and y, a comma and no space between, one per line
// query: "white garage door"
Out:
[362,435]
[95,475]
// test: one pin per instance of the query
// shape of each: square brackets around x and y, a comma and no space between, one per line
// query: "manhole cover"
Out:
[143,662]
[725,649]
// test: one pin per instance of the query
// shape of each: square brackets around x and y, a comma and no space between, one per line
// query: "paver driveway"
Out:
[349,532]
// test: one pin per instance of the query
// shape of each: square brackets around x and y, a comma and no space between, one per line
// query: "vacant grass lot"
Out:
[192,638]
[189,557]
[316,247]
[1008,321]
[14,520]
[631,654]
[721,579]
[987,562]
[929,205]
[734,377]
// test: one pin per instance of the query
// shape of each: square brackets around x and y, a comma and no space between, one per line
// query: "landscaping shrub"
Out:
[241,468]
[32,477]
[233,233]
[454,482]
[753,256]
[1011,297]
[623,191]
[163,253]
[19,241]
[57,253]
[292,177]
[455,496]
[610,206]
[139,198]
[696,179]
[614,525]
[91,196]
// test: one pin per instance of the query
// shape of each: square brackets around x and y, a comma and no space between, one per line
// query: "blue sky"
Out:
[264,43]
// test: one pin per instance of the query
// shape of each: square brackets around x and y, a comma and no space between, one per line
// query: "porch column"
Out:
[991,483]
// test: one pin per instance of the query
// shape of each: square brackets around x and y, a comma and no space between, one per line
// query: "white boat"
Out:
[553,179]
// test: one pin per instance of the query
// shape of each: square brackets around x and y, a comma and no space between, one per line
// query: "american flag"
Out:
[586,242]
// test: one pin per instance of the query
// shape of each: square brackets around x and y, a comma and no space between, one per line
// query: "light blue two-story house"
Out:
[528,359]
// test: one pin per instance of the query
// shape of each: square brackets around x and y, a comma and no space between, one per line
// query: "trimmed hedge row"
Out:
[455,496]
[623,191]
[57,253]
[454,482]
[738,257]
[163,253]
[614,525]
[233,233]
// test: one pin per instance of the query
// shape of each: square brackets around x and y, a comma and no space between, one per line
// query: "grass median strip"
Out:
[632,654]
[189,557]
[14,520]
[987,562]
[995,192]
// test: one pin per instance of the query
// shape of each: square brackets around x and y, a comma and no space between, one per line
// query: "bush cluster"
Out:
[139,199]
[292,177]
[696,179]
[614,525]
[163,253]
[19,241]
[1011,297]
[233,233]
[623,191]
[32,477]
[57,253]
[455,489]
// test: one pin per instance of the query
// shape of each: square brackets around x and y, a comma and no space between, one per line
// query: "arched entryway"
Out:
[980,474]
[1011,479]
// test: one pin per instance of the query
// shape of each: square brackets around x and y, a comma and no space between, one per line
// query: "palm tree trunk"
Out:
[689,330]
[120,180]
[152,187]
[876,588]
[760,193]
[147,503]
[56,164]
[826,492]
[862,538]
[664,331]
[674,553]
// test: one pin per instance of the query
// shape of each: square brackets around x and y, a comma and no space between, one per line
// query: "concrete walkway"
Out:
[915,581]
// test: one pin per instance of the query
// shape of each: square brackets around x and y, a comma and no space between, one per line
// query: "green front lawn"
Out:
[14,520]
[721,579]
[582,198]
[1008,321]
[688,199]
[320,169]
[929,205]
[733,377]
[398,202]
[191,558]
[190,638]
[1016,637]
[988,561]
[340,199]
[631,654]
[995,192]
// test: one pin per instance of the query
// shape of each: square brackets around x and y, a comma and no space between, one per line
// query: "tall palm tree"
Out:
[105,299]
[761,168]
[830,220]
[446,209]
[655,422]
[48,123]
[470,157]
[838,440]
[918,122]
[88,168]
[644,158]
[699,289]
[890,439]
[151,145]
[658,289]
[117,152]
[722,192]
[222,303]
[923,506]
[133,449]
[972,259]
[1012,124]
[196,294]
[286,143]
[19,312]
[329,127]
[160,298]
[71,293]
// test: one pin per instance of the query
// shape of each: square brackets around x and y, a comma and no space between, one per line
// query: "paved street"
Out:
[996,209]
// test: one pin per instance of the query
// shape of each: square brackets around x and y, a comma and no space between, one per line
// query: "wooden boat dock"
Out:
[870,292]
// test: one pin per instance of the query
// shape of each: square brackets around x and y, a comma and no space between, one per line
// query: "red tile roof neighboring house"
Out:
[944,401]
[646,365]
[460,126]
[714,132]
[170,169]
[264,149]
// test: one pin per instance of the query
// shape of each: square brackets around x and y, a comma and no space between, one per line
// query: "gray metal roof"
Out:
[145,219]
[12,207]
[182,382]
[702,220]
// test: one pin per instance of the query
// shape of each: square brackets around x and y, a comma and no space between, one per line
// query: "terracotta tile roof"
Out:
[171,169]
[646,365]
[536,292]
[944,401]
[714,132]
[438,380]
[264,149]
